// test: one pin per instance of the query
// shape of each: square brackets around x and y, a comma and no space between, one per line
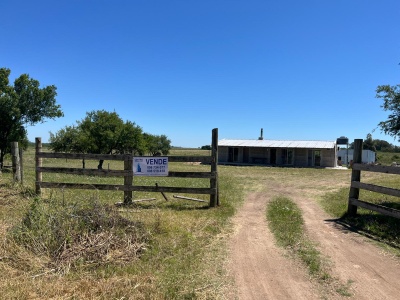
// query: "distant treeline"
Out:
[377,145]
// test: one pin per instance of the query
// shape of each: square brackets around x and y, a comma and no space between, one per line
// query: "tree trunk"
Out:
[100,166]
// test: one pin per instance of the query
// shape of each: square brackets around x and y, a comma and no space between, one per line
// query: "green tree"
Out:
[382,145]
[369,143]
[131,139]
[24,103]
[157,144]
[206,147]
[391,103]
[100,132]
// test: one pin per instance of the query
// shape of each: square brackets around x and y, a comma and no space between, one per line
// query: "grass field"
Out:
[173,249]
[74,244]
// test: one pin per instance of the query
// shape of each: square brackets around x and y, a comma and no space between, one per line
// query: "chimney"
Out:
[262,135]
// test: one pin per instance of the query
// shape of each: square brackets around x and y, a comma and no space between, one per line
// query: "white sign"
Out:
[150,166]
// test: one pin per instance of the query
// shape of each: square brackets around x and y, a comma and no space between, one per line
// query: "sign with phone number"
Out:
[150,166]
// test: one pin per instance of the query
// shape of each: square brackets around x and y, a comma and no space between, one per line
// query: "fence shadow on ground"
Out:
[373,226]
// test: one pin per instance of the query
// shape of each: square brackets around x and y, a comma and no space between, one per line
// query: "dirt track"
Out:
[262,270]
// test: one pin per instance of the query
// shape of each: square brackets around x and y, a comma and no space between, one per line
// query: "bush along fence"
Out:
[128,187]
[356,185]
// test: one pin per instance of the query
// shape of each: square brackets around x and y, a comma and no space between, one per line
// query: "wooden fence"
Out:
[128,187]
[356,185]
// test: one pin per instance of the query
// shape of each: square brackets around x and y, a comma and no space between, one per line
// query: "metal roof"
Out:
[278,144]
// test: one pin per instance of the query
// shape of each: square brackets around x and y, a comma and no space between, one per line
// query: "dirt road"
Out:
[361,270]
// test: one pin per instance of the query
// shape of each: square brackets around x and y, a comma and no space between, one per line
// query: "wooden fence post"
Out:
[214,198]
[16,167]
[355,176]
[38,163]
[128,179]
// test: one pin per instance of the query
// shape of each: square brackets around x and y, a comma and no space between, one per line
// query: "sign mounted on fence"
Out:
[150,166]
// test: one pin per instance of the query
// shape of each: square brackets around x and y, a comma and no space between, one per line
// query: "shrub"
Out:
[74,234]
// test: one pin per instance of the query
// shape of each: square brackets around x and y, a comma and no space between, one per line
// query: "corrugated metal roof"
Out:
[278,144]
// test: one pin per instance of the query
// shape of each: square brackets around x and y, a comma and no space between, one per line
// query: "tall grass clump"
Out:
[73,235]
[286,223]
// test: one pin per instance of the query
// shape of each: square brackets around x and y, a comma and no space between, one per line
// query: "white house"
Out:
[278,153]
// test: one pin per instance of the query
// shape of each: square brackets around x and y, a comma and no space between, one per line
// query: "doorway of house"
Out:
[317,158]
[272,157]
[233,154]
[245,155]
[314,158]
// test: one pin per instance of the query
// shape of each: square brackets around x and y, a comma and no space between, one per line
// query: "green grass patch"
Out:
[387,158]
[286,223]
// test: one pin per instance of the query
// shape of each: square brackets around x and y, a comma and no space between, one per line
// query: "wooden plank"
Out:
[143,200]
[138,200]
[214,199]
[375,207]
[181,190]
[104,172]
[376,188]
[128,179]
[38,164]
[189,198]
[377,168]
[80,171]
[192,174]
[82,156]
[84,186]
[115,187]
[202,159]
[355,176]
[162,193]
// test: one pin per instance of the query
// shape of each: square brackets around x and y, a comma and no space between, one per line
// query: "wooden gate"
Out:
[356,185]
[128,187]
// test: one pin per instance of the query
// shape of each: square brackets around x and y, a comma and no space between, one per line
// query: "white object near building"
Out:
[346,155]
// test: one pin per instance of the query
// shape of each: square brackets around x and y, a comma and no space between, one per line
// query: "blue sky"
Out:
[302,70]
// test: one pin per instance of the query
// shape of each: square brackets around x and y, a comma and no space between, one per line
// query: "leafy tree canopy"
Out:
[21,104]
[157,144]
[206,147]
[377,145]
[391,103]
[368,143]
[102,132]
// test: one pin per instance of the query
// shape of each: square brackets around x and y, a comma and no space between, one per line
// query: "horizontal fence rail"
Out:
[356,185]
[201,159]
[119,173]
[128,187]
[377,168]
[133,188]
